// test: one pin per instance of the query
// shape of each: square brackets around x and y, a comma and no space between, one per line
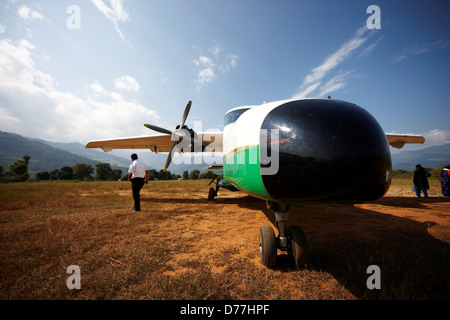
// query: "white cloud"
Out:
[313,80]
[206,75]
[115,13]
[17,68]
[127,83]
[209,66]
[435,137]
[32,105]
[9,122]
[337,82]
[216,50]
[419,49]
[399,58]
[233,60]
[97,88]
[28,14]
[204,62]
[2,28]
[367,51]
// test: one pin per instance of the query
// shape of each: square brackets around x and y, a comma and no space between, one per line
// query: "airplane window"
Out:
[233,116]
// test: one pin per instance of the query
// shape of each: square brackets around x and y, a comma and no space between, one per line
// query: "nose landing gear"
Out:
[291,239]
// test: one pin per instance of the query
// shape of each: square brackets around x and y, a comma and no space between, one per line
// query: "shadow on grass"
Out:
[345,240]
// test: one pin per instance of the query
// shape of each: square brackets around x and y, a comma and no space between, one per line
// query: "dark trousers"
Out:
[136,186]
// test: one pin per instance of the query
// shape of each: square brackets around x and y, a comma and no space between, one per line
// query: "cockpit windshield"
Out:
[232,116]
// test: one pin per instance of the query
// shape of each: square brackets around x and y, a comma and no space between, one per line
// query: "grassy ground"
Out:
[183,247]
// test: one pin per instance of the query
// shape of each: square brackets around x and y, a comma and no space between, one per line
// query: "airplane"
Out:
[287,152]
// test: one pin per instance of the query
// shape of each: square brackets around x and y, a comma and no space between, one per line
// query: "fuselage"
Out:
[306,150]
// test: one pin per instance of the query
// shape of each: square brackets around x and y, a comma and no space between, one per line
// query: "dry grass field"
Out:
[182,246]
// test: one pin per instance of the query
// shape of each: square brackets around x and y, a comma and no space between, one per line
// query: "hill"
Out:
[120,158]
[44,156]
[47,156]
[92,154]
[431,157]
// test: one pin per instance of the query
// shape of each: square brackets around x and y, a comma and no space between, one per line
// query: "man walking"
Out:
[138,175]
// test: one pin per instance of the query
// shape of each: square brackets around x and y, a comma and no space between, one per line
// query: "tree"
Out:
[185,175]
[26,159]
[164,175]
[19,169]
[116,174]
[153,175]
[208,175]
[103,171]
[42,175]
[82,171]
[54,174]
[194,174]
[65,173]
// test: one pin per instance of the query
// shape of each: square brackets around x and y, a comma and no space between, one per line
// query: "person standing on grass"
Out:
[138,175]
[420,181]
[445,181]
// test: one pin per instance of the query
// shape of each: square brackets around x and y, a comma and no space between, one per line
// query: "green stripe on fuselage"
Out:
[242,169]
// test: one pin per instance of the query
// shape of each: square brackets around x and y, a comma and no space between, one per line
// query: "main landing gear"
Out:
[292,239]
[213,191]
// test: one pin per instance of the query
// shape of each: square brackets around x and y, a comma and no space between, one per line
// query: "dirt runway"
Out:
[407,237]
[183,247]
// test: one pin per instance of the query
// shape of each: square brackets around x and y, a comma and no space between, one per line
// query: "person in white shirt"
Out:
[138,175]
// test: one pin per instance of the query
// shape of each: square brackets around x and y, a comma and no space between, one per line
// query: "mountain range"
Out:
[430,157]
[47,156]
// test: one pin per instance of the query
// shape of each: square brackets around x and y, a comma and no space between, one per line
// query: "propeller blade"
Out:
[169,156]
[185,114]
[159,129]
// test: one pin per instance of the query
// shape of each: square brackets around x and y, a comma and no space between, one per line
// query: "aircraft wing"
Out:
[399,140]
[212,141]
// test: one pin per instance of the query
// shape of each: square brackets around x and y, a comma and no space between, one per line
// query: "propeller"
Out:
[166,131]
[159,129]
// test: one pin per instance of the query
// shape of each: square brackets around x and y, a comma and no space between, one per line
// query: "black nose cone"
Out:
[328,150]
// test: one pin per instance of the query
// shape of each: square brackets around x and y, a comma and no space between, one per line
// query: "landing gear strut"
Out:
[292,239]
[213,191]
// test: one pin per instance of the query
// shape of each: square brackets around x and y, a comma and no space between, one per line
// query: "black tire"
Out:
[298,246]
[211,194]
[267,246]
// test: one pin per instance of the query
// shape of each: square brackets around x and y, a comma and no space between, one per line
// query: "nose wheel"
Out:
[293,239]
[267,246]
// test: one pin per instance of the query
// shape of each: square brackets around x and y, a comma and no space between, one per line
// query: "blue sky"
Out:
[103,68]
